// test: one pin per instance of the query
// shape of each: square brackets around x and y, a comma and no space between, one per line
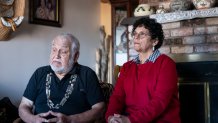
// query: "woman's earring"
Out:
[153,48]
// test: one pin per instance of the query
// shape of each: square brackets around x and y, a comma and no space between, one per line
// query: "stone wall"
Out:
[191,36]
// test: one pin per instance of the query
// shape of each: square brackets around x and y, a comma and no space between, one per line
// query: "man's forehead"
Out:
[61,42]
[62,46]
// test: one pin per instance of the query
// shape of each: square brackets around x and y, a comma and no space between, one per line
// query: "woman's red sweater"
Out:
[147,93]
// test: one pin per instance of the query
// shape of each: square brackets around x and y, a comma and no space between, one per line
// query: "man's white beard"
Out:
[63,69]
[57,69]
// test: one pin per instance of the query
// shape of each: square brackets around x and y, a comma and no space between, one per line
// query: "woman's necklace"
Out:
[66,95]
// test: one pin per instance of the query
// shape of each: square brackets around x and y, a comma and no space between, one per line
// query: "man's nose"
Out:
[57,54]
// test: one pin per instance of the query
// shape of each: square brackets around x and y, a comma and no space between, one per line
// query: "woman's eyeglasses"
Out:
[140,35]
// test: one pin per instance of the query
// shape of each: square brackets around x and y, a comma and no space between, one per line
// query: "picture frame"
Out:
[45,12]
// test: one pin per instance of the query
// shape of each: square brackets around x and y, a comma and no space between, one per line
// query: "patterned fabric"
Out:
[152,57]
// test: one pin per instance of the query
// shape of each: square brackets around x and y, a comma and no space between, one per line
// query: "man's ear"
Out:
[76,56]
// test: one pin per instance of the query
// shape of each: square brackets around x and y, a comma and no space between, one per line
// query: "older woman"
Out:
[146,90]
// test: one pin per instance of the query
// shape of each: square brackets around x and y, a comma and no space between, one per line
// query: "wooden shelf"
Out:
[176,16]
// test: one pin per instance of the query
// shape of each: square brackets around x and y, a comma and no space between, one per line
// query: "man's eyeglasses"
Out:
[140,35]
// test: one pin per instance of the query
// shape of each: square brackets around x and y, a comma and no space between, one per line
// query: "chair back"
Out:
[117,69]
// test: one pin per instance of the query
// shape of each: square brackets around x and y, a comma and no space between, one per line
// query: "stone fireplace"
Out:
[193,44]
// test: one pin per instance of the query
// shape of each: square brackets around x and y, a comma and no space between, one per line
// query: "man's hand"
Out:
[39,118]
[26,114]
[117,118]
[58,118]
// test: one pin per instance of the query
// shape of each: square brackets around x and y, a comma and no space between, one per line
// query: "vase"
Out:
[143,10]
[203,4]
[180,5]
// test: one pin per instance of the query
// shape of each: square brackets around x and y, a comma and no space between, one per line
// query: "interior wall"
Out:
[29,47]
[106,17]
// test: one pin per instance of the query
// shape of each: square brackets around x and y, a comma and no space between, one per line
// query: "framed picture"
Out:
[45,12]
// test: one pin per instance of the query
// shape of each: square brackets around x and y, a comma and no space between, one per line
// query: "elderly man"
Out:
[65,91]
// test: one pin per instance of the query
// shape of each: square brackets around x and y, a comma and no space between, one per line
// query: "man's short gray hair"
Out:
[75,45]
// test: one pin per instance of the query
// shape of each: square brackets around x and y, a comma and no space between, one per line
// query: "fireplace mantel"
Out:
[176,16]
[197,57]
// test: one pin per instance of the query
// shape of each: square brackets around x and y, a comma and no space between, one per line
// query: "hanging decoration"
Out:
[102,56]
[11,14]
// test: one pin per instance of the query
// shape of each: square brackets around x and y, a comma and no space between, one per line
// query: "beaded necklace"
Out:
[66,95]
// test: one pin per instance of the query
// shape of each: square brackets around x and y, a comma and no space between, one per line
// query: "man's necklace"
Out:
[66,95]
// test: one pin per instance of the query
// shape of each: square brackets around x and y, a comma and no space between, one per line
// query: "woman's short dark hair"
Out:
[154,28]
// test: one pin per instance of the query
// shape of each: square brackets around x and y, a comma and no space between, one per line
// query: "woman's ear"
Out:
[155,41]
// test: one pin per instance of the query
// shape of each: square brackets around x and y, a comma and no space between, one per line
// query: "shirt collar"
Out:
[152,58]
